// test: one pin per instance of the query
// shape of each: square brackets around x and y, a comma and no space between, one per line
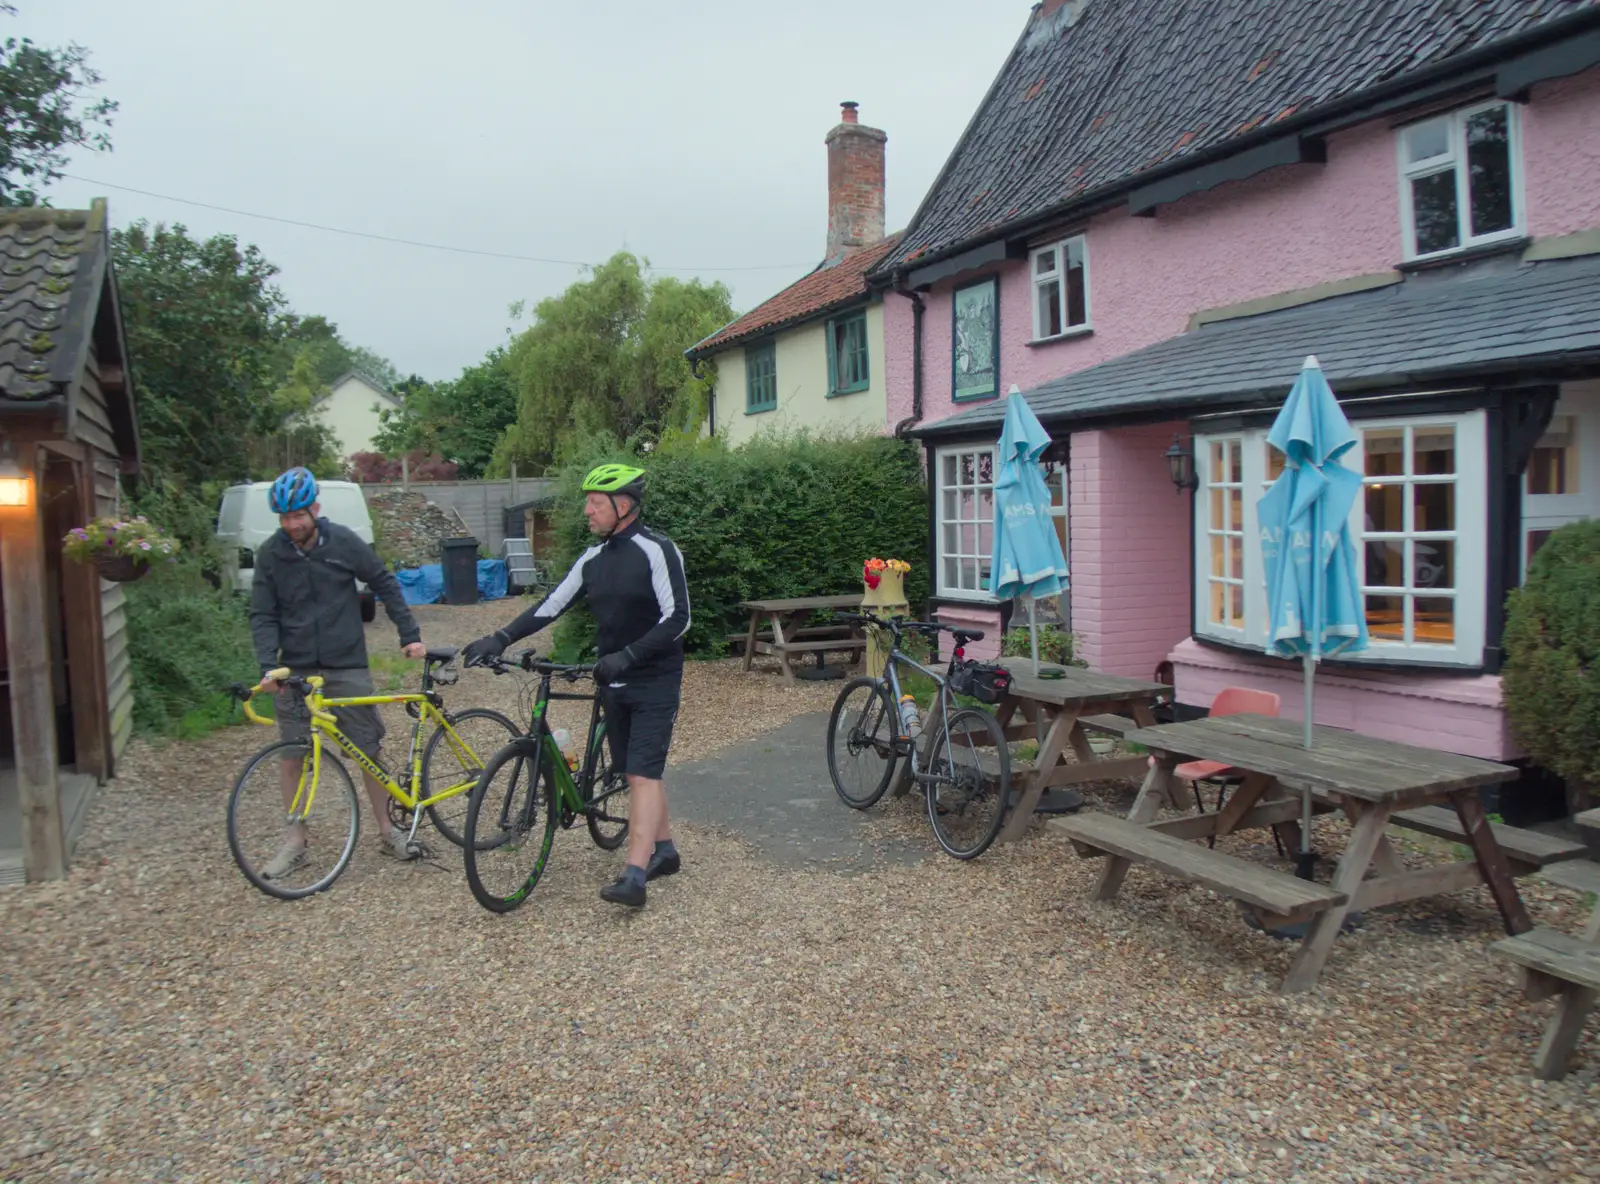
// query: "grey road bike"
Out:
[960,758]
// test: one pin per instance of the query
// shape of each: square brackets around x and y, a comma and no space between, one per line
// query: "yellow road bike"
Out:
[294,815]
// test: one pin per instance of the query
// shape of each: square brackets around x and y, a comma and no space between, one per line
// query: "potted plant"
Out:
[885,580]
[121,548]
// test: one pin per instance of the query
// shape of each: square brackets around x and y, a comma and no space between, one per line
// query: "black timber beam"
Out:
[1142,202]
[1572,56]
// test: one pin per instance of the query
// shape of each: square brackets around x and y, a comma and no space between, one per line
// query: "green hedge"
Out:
[1552,641]
[777,518]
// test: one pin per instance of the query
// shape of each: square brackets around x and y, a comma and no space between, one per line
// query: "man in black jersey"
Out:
[633,582]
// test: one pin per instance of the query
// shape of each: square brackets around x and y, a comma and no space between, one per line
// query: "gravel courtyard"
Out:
[937,1021]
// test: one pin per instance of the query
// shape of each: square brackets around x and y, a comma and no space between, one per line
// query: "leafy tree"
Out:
[461,419]
[205,336]
[606,356]
[44,110]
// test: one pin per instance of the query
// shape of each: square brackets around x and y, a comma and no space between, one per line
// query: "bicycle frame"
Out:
[896,659]
[571,793]
[325,723]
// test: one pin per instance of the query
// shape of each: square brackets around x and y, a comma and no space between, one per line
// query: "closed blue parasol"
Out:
[1314,600]
[1027,560]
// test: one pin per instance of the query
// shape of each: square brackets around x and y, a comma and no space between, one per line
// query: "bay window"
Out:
[1419,528]
[964,508]
[1560,484]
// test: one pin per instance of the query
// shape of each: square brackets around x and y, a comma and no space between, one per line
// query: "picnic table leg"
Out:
[1157,788]
[1491,861]
[1055,741]
[1561,1034]
[779,641]
[750,638]
[1352,869]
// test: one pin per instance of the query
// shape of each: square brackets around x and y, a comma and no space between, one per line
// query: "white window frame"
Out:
[1455,160]
[1471,537]
[980,595]
[1579,405]
[1058,277]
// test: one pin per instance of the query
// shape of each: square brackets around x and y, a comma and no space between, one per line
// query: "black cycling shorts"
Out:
[639,719]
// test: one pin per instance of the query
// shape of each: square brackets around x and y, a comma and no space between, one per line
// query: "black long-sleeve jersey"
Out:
[635,587]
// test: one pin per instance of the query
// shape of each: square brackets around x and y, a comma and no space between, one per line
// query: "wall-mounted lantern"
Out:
[1180,461]
[16,486]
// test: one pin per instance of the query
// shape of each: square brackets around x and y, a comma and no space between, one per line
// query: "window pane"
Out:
[949,476]
[969,540]
[969,574]
[1218,451]
[1553,467]
[1435,564]
[1385,509]
[1536,539]
[1218,518]
[1489,170]
[1386,564]
[1427,140]
[986,505]
[1433,207]
[966,506]
[1235,463]
[951,543]
[1434,451]
[1236,606]
[1077,288]
[985,537]
[1235,509]
[1275,464]
[1219,603]
[1044,263]
[1048,317]
[1386,617]
[1435,620]
[952,573]
[1236,557]
[966,468]
[1219,555]
[1386,452]
[948,509]
[1434,507]
[986,468]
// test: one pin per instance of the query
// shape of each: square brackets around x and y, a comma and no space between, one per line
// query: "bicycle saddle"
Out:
[443,653]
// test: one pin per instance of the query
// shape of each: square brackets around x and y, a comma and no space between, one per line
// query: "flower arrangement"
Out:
[872,571]
[122,548]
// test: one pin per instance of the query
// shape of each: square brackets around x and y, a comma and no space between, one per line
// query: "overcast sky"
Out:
[690,132]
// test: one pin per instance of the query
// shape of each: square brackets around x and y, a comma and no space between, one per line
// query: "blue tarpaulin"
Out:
[425,584]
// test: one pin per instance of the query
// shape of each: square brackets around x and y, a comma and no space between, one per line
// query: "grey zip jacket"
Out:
[305,612]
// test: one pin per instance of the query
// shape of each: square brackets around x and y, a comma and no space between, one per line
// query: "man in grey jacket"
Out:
[305,613]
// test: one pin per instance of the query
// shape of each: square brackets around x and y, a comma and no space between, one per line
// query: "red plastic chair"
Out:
[1229,701]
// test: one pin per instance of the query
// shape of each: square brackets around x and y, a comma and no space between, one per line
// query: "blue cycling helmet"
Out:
[294,490]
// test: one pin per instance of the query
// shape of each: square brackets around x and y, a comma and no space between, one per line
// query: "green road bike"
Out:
[527,791]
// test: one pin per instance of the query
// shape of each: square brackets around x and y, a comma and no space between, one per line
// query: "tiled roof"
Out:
[822,290]
[1497,316]
[51,262]
[1134,85]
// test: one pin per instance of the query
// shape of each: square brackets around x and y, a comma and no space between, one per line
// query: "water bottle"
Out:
[569,750]
[910,722]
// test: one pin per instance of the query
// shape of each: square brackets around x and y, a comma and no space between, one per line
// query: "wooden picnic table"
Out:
[1064,710]
[1374,782]
[785,639]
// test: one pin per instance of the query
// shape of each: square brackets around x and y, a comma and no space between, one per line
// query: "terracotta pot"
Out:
[122,569]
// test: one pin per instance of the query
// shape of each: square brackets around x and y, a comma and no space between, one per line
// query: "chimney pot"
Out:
[848,112]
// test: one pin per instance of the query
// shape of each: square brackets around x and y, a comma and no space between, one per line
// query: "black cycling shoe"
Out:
[624,891]
[663,865]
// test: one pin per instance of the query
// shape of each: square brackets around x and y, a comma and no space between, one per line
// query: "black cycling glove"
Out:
[491,646]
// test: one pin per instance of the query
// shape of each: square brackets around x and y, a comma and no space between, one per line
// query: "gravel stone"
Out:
[944,1021]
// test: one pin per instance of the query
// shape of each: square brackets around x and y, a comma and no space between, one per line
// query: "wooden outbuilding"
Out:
[68,433]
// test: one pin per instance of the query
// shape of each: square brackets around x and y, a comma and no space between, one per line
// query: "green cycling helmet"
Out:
[615,479]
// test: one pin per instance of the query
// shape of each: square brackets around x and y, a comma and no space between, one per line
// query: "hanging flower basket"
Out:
[121,549]
[121,569]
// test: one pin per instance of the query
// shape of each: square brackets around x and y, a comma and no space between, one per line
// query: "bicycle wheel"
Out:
[261,836]
[861,735]
[969,771]
[608,829]
[511,822]
[445,766]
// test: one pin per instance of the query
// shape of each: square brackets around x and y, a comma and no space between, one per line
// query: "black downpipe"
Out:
[917,309]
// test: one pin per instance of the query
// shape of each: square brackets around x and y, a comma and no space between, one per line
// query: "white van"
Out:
[245,520]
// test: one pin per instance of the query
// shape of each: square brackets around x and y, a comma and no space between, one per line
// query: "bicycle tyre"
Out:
[537,788]
[279,751]
[600,762]
[998,789]
[439,818]
[887,718]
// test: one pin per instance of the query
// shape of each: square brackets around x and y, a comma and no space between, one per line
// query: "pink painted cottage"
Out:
[1160,209]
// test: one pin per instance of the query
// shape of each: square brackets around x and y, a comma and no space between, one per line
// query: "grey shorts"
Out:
[363,725]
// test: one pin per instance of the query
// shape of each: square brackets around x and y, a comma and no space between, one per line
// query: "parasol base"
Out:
[1052,801]
[1298,930]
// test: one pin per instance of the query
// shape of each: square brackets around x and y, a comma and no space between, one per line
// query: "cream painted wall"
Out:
[351,412]
[802,358]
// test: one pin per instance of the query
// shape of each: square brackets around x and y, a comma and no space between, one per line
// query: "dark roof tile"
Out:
[40,253]
[1136,84]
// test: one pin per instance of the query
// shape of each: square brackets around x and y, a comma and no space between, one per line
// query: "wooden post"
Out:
[33,719]
[405,474]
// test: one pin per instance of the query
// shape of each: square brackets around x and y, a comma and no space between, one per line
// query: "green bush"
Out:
[186,639]
[1055,645]
[786,517]
[1552,642]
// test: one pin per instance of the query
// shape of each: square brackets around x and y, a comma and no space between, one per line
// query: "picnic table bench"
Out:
[1555,963]
[787,640]
[1370,781]
[1059,713]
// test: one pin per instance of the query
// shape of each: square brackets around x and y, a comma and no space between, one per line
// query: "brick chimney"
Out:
[855,184]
